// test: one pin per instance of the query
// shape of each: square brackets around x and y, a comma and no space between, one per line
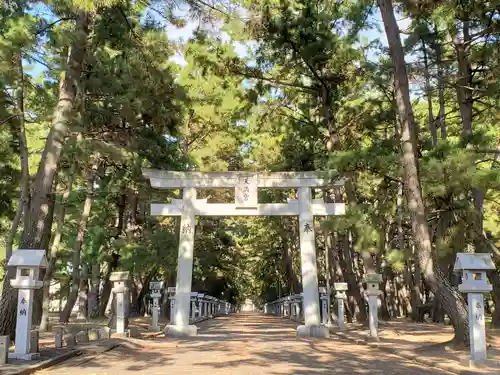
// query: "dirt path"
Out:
[243,344]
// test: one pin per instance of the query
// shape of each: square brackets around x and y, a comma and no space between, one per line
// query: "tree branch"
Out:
[41,31]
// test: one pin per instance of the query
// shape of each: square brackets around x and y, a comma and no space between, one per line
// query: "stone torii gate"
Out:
[246,204]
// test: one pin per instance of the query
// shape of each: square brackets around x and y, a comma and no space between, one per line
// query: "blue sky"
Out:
[180,35]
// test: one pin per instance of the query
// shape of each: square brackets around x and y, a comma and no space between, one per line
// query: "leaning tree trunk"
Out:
[93,299]
[77,248]
[55,249]
[83,294]
[428,92]
[35,226]
[451,299]
[23,204]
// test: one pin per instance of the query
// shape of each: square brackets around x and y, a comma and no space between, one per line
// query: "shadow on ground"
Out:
[244,344]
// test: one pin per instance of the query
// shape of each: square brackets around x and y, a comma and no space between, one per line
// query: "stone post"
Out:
[34,340]
[28,263]
[340,295]
[200,305]
[155,287]
[4,349]
[299,309]
[155,311]
[373,291]
[193,309]
[120,289]
[473,267]
[172,309]
[324,310]
[58,336]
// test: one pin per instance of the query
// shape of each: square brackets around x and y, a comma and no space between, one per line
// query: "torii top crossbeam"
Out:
[175,179]
[246,185]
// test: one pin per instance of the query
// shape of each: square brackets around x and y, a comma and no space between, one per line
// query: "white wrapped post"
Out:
[473,267]
[372,291]
[28,264]
[340,295]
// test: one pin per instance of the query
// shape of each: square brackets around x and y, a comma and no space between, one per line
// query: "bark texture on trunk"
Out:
[36,226]
[77,248]
[83,294]
[449,297]
[93,300]
[441,86]
[20,134]
[464,84]
[428,92]
[61,213]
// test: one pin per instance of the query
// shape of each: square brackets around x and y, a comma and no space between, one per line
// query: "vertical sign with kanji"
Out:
[23,324]
[246,191]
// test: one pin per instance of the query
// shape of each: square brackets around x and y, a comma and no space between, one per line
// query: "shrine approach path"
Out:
[244,344]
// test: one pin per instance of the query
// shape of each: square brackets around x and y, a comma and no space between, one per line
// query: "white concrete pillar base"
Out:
[180,331]
[25,357]
[467,362]
[313,331]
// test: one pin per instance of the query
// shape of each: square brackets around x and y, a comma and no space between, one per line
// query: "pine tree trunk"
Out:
[35,227]
[44,324]
[464,84]
[106,290]
[23,204]
[77,248]
[293,280]
[93,305]
[428,92]
[83,294]
[450,298]
[347,265]
[441,86]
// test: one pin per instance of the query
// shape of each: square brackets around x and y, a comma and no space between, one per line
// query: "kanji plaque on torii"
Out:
[245,192]
[246,186]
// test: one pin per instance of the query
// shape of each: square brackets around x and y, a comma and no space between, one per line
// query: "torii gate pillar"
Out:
[182,327]
[309,268]
[246,185]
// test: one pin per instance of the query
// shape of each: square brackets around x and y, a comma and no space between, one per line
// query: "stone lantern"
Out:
[28,264]
[155,287]
[340,295]
[120,281]
[473,267]
[372,281]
